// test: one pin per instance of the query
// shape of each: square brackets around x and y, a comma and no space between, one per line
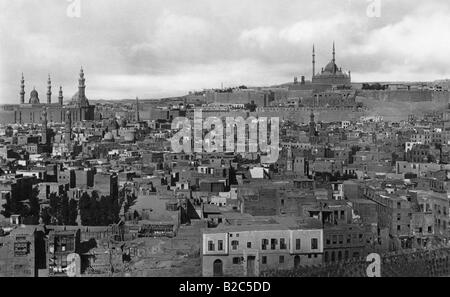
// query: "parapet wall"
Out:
[404,95]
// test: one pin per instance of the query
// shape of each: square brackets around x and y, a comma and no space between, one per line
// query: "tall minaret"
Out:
[314,62]
[68,130]
[312,125]
[137,110]
[81,87]
[334,58]
[22,90]
[60,97]
[49,90]
[44,127]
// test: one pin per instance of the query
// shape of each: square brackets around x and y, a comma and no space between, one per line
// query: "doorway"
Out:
[251,262]
[218,268]
[297,262]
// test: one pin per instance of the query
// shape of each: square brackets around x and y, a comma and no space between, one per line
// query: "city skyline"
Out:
[168,49]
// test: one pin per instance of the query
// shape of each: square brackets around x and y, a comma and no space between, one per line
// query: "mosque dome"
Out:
[331,67]
[76,99]
[34,97]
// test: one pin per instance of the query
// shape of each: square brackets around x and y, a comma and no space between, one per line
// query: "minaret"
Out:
[137,110]
[49,90]
[60,97]
[289,161]
[314,61]
[312,125]
[334,58]
[81,88]
[68,130]
[44,127]
[22,90]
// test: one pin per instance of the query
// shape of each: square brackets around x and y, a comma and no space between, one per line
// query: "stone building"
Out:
[31,112]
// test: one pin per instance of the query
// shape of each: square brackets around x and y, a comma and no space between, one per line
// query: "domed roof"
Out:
[76,97]
[34,97]
[331,67]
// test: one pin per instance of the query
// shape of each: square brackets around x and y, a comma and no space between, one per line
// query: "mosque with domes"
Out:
[329,78]
[331,74]
[56,112]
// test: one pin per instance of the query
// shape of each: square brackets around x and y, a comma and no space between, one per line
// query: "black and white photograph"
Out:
[208,143]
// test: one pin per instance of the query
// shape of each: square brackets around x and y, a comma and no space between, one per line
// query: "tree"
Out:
[129,202]
[105,208]
[46,217]
[64,210]
[73,212]
[94,210]
[34,208]
[85,214]
[54,205]
[8,206]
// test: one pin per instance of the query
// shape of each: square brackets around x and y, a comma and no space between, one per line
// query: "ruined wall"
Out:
[398,95]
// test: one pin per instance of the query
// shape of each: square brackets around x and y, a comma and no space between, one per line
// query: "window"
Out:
[264,259]
[334,239]
[264,244]
[249,245]
[398,227]
[341,239]
[281,260]
[234,244]
[21,249]
[273,244]
[328,240]
[210,245]
[298,244]
[282,244]
[237,260]
[220,245]
[314,243]
[399,205]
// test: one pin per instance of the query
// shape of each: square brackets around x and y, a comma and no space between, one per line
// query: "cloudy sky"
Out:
[153,48]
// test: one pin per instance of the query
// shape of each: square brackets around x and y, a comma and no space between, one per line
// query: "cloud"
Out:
[160,48]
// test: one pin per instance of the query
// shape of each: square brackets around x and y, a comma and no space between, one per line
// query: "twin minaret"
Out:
[314,59]
[81,88]
[137,110]
[49,90]
[22,90]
